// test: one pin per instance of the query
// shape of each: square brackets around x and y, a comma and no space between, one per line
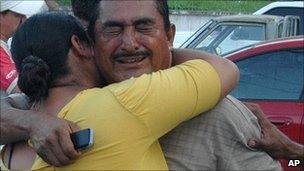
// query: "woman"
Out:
[58,73]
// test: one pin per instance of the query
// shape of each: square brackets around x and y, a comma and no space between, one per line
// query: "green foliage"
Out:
[236,6]
[65,2]
[244,6]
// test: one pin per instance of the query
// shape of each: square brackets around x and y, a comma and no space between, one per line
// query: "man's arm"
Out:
[49,135]
[11,132]
[227,70]
[273,141]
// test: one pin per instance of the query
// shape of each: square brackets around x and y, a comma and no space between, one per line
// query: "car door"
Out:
[274,80]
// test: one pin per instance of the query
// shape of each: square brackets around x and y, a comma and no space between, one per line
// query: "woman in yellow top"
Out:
[58,73]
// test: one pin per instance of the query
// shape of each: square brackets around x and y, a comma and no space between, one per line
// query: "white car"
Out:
[283,8]
[280,4]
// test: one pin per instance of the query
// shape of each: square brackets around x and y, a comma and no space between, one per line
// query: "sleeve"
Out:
[8,72]
[166,98]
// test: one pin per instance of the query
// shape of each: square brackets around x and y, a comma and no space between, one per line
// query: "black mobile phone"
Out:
[83,139]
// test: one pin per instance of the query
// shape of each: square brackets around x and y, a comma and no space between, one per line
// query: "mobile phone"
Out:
[83,139]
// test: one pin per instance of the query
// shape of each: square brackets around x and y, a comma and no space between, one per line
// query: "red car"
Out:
[272,75]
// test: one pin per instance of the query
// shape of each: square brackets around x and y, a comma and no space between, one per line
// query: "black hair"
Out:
[89,11]
[40,51]
[163,9]
[84,9]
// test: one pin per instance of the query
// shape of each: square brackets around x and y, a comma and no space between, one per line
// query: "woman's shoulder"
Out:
[86,99]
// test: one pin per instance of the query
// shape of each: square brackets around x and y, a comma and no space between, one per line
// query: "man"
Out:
[132,38]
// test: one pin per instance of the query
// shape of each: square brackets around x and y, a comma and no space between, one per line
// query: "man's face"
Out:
[10,22]
[131,40]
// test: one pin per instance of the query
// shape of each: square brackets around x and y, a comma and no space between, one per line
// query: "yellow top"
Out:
[129,117]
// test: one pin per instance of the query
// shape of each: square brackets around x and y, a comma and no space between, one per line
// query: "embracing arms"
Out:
[46,131]
[49,135]
[13,121]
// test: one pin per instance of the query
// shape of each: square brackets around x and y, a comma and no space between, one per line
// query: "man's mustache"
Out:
[125,55]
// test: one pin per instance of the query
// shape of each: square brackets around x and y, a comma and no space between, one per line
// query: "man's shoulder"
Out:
[229,107]
[228,102]
[230,116]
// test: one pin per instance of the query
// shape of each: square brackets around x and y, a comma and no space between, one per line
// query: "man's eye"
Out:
[112,31]
[144,27]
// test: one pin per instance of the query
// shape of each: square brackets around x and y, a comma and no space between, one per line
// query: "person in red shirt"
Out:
[8,71]
[12,15]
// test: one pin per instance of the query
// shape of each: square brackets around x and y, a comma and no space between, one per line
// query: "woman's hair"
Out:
[40,51]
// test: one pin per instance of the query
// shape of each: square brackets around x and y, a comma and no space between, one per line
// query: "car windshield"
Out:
[200,31]
[227,38]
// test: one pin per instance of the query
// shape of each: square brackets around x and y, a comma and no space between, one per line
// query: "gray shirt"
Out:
[217,140]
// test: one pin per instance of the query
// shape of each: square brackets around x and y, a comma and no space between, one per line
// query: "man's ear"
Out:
[81,48]
[171,33]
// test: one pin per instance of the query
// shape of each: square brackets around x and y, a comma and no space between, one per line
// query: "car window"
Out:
[226,38]
[199,32]
[213,35]
[291,24]
[240,37]
[271,76]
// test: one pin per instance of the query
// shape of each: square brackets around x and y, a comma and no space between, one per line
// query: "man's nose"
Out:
[129,40]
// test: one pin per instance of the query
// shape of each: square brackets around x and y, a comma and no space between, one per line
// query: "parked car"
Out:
[282,8]
[272,75]
[224,35]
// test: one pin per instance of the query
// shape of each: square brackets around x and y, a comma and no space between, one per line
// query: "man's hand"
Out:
[272,140]
[50,137]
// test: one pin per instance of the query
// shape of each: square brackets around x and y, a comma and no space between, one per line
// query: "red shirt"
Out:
[8,72]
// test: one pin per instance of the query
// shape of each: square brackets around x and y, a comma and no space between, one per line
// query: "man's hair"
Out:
[163,9]
[89,10]
[85,9]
